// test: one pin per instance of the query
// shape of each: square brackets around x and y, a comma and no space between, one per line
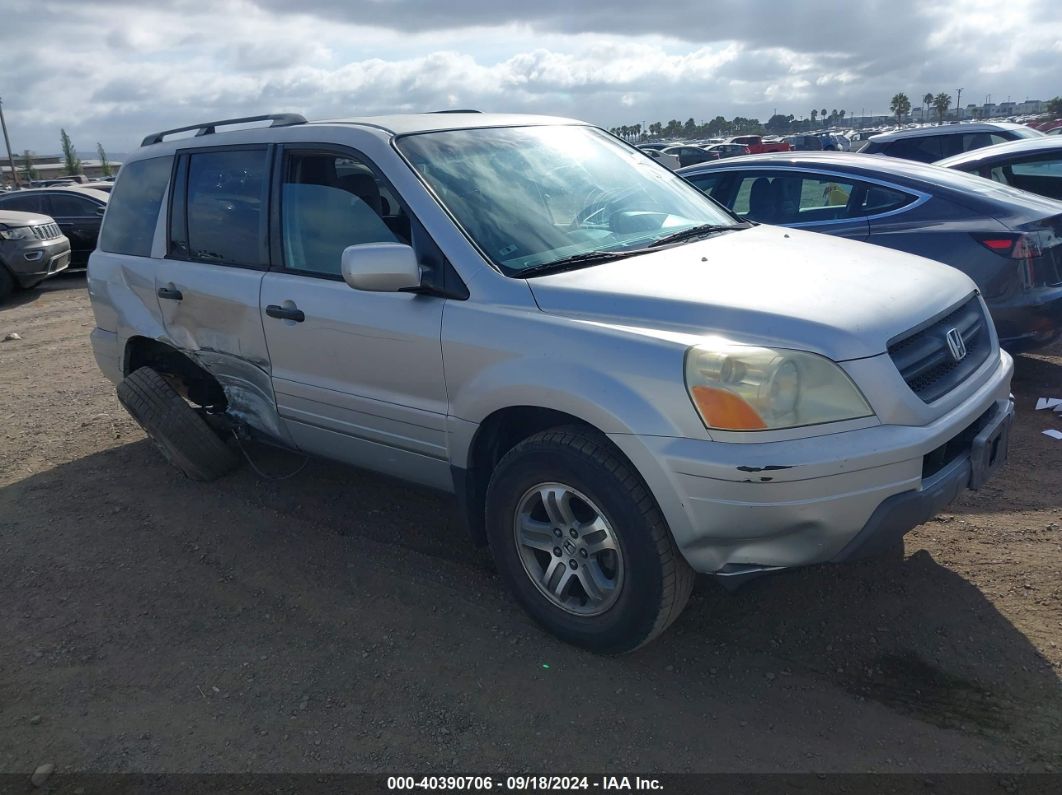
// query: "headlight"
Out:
[739,388]
[18,233]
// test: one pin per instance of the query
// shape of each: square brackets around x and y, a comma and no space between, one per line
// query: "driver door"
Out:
[358,375]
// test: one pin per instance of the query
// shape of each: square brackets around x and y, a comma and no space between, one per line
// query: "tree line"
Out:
[720,127]
[72,166]
[779,124]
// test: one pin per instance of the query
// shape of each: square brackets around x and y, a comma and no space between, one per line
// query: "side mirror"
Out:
[381,267]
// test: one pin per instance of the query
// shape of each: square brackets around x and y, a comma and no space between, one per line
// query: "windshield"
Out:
[533,196]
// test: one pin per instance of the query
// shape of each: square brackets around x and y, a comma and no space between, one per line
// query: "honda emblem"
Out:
[956,346]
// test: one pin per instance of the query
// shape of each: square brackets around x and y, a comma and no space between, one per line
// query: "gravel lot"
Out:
[340,621]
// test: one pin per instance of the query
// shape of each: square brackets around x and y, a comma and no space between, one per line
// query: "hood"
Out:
[764,286]
[18,218]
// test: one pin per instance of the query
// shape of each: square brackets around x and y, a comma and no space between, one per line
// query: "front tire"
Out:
[183,437]
[581,543]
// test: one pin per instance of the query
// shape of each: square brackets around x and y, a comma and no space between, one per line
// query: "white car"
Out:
[670,161]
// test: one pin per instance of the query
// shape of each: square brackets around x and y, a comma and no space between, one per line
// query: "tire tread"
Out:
[193,446]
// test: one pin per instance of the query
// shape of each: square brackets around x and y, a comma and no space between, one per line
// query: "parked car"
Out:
[757,145]
[671,161]
[77,210]
[720,151]
[690,155]
[32,248]
[929,144]
[1031,164]
[804,143]
[1008,241]
[621,381]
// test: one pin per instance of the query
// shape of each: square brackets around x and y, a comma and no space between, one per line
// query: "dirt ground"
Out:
[340,621]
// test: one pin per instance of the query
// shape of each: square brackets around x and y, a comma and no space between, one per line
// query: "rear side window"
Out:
[133,208]
[924,149]
[22,203]
[223,205]
[878,199]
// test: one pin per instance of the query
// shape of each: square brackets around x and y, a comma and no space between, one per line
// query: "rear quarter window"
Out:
[133,209]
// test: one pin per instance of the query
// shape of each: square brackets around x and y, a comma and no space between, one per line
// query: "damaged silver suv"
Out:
[621,382]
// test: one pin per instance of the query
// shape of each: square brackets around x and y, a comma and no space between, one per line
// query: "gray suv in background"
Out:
[929,144]
[621,382]
[32,248]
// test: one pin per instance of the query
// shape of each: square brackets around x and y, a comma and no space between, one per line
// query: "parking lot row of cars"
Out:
[69,214]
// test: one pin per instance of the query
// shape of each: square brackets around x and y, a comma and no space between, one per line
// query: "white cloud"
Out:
[123,68]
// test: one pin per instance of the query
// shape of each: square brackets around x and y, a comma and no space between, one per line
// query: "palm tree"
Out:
[927,100]
[901,106]
[840,115]
[822,115]
[814,115]
[941,102]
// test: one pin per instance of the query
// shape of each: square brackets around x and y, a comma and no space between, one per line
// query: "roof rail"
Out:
[457,110]
[208,128]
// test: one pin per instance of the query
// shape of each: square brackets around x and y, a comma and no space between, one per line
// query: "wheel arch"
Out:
[189,378]
[496,435]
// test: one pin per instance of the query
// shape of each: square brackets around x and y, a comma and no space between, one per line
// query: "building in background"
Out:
[52,167]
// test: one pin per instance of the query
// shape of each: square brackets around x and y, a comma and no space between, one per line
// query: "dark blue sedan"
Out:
[1008,241]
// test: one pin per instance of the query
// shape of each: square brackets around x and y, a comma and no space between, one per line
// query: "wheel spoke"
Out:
[598,587]
[557,577]
[557,502]
[596,536]
[536,534]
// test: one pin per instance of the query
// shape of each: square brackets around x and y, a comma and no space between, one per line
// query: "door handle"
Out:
[170,292]
[285,313]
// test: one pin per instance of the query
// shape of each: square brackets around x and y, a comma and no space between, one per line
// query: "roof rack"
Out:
[457,110]
[208,128]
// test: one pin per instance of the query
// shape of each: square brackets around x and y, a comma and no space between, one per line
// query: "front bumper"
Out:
[34,263]
[734,508]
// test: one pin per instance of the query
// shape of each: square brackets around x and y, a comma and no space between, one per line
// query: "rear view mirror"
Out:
[381,267]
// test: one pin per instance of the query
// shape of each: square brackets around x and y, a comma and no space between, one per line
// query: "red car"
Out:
[757,146]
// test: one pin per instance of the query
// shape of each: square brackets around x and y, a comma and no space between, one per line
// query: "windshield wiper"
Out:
[575,261]
[703,230]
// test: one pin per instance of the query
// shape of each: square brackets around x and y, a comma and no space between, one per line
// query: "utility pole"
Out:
[958,104]
[7,143]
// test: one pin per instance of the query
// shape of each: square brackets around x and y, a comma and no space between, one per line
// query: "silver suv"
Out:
[621,382]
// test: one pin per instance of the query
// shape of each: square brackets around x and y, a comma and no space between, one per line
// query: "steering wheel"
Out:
[600,209]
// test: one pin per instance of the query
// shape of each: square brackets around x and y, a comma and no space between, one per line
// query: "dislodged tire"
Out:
[580,541]
[185,439]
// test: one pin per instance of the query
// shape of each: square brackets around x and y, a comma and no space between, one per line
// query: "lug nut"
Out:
[582,552]
[556,551]
[573,564]
[573,533]
[557,532]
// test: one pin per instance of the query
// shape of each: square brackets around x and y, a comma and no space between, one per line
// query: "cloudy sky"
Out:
[113,70]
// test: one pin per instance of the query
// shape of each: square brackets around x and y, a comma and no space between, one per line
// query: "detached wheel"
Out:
[179,432]
[581,543]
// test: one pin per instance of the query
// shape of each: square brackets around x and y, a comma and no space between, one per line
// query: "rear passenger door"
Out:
[79,217]
[207,287]
[358,375]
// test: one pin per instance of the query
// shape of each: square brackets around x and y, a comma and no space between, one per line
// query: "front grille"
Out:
[46,231]
[924,358]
